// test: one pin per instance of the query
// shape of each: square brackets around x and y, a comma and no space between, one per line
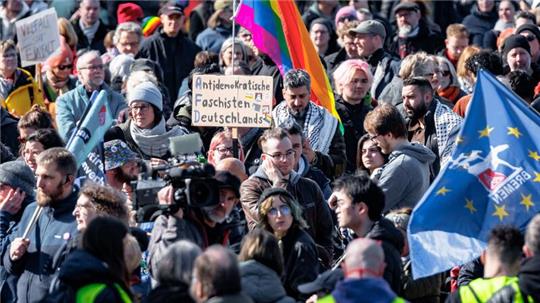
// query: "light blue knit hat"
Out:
[146,92]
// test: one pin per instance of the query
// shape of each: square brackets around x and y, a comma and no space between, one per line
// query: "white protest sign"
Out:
[232,101]
[38,37]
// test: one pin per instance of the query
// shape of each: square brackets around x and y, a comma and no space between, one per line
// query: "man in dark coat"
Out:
[482,18]
[170,49]
[89,29]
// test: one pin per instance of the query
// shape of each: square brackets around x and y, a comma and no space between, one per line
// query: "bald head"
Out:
[364,258]
[234,166]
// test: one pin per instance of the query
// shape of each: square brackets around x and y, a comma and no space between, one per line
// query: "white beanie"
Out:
[146,92]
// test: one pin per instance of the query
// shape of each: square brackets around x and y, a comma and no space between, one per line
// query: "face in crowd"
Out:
[280,153]
[297,99]
[279,216]
[415,102]
[142,114]
[227,201]
[91,72]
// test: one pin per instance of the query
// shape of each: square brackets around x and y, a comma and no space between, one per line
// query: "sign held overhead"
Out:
[38,37]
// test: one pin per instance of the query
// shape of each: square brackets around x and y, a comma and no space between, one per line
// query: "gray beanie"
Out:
[18,175]
[147,92]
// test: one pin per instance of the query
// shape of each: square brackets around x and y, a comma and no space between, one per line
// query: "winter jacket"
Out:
[178,292]
[307,193]
[211,39]
[426,40]
[299,260]
[22,95]
[36,267]
[83,274]
[96,43]
[10,132]
[175,56]
[262,284]
[372,290]
[441,127]
[400,190]
[352,117]
[71,106]
[392,243]
[423,290]
[384,67]
[478,23]
[391,93]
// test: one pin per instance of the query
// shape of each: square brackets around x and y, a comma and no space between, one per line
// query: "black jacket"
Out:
[426,40]
[9,132]
[81,269]
[388,66]
[479,23]
[334,60]
[352,118]
[392,243]
[97,42]
[169,293]
[174,55]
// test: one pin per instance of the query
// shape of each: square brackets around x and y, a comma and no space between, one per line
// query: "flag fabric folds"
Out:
[278,31]
[84,144]
[493,178]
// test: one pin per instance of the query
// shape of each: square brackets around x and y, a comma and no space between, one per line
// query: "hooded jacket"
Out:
[82,269]
[392,243]
[405,177]
[262,284]
[372,290]
[307,193]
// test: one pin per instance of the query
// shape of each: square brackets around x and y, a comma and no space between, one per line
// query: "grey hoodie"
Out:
[405,177]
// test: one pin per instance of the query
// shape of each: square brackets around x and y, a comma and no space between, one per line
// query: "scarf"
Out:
[319,126]
[89,32]
[154,142]
[446,121]
[451,93]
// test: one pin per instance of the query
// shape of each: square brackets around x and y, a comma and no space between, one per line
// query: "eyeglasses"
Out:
[140,108]
[93,67]
[284,210]
[223,150]
[279,156]
[64,67]
[9,55]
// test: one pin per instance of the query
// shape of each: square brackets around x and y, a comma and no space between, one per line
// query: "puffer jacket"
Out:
[262,284]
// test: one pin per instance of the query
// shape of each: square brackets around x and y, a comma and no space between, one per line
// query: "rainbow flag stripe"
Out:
[279,32]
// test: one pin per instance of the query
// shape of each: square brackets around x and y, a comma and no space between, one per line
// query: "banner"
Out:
[38,37]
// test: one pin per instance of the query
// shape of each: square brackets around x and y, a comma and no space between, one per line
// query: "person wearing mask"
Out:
[280,215]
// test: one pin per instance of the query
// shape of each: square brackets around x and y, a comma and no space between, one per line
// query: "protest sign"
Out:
[38,37]
[232,101]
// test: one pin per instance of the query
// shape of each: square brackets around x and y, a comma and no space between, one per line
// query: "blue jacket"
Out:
[35,269]
[211,39]
[372,290]
[70,108]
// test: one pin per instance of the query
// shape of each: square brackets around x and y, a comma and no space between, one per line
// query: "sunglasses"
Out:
[64,67]
[284,210]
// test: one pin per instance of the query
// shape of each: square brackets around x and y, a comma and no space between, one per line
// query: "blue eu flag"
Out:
[493,178]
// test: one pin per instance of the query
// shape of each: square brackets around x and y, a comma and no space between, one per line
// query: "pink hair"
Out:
[346,70]
[217,139]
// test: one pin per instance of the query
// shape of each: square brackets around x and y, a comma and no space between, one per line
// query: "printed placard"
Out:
[232,101]
[38,37]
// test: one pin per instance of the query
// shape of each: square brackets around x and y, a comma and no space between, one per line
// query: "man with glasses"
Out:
[71,106]
[405,177]
[31,257]
[276,170]
[430,122]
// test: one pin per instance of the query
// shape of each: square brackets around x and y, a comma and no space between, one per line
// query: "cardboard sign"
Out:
[232,101]
[38,37]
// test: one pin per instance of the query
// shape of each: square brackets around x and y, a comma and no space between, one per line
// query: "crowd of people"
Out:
[311,210]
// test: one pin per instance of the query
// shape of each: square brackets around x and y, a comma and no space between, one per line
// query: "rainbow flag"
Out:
[279,32]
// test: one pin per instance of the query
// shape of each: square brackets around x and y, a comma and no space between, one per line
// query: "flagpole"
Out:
[234,131]
[86,110]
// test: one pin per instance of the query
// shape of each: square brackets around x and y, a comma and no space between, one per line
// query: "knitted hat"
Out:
[146,92]
[117,153]
[348,12]
[273,191]
[129,12]
[18,175]
[150,24]
[529,27]
[515,41]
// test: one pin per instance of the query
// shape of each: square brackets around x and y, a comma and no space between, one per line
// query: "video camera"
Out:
[193,182]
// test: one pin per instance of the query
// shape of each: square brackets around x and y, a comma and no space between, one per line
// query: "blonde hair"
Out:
[466,54]
[66,30]
[415,65]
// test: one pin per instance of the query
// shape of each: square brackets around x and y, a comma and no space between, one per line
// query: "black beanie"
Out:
[529,27]
[514,41]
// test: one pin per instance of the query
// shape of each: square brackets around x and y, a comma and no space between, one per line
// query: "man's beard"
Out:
[417,113]
[44,199]
[122,177]
[405,30]
[298,114]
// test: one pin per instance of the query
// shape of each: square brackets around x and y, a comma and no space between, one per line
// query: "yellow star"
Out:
[534,155]
[537,177]
[470,206]
[500,212]
[459,139]
[486,131]
[443,191]
[514,131]
[526,201]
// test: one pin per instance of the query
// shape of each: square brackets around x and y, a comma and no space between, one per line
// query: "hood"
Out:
[264,283]
[303,166]
[385,231]
[415,150]
[355,290]
[293,177]
[529,277]
[82,268]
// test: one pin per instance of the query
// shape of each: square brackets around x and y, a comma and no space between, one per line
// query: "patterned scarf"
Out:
[154,142]
[446,121]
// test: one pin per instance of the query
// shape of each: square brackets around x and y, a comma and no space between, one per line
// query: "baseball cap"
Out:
[372,27]
[325,282]
[171,8]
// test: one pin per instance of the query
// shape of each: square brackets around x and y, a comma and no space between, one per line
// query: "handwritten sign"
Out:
[232,101]
[38,37]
